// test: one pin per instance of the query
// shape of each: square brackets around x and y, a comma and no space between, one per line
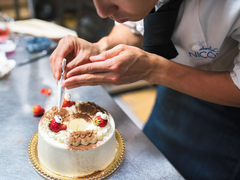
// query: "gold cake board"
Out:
[47,174]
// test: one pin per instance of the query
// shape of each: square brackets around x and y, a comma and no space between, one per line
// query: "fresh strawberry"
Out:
[98,121]
[56,127]
[46,91]
[4,31]
[67,103]
[42,90]
[38,110]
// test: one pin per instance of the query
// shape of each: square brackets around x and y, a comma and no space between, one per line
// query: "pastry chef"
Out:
[190,49]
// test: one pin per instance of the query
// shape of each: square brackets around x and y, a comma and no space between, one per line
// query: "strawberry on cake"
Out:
[77,141]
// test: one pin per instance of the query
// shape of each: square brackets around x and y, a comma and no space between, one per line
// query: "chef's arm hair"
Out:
[120,34]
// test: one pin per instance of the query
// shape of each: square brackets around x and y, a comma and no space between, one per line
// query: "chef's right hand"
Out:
[75,50]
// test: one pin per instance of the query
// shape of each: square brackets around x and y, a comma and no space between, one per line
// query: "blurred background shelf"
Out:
[78,15]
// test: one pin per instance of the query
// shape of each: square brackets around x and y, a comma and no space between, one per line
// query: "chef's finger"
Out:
[80,59]
[56,60]
[63,49]
[108,54]
[98,67]
[90,80]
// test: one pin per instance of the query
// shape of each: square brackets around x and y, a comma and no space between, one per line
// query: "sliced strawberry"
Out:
[38,110]
[67,103]
[46,91]
[53,125]
[98,121]
[4,31]
[56,127]
[42,90]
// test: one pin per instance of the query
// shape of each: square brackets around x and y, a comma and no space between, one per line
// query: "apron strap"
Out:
[158,29]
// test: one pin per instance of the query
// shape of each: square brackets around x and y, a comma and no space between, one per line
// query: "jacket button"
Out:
[139,28]
[196,47]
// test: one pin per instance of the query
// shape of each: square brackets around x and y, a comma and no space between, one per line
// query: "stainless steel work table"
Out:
[20,90]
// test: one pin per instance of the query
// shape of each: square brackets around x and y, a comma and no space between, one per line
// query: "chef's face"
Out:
[124,10]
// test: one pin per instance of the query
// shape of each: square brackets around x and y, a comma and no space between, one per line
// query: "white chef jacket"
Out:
[206,35]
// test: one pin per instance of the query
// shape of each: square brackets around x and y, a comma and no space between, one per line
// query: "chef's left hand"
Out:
[120,65]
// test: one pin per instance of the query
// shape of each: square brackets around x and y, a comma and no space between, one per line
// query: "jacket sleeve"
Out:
[235,73]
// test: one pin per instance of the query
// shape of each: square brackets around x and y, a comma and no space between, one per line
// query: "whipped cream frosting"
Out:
[67,96]
[64,136]
[58,118]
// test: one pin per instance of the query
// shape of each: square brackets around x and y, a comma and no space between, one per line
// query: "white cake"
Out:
[84,147]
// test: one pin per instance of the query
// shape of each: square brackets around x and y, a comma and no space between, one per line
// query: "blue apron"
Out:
[201,139]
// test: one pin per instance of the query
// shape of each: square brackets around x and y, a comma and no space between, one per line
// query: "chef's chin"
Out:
[120,20]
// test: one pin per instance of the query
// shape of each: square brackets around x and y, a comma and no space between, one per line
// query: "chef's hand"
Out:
[77,52]
[119,65]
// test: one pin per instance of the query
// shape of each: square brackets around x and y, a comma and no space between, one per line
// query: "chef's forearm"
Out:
[216,87]
[120,34]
